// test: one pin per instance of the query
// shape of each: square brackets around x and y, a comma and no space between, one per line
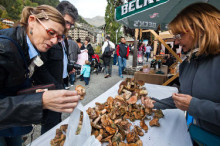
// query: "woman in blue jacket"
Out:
[197,30]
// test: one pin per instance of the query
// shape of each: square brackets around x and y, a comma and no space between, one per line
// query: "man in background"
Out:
[122,53]
[108,59]
[54,69]
[74,50]
[148,50]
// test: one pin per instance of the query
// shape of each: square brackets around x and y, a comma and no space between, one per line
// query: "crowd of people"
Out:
[29,58]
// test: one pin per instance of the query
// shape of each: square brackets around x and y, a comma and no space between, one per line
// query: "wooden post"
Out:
[162,41]
[171,79]
[151,38]
[170,50]
[140,34]
[134,64]
[173,65]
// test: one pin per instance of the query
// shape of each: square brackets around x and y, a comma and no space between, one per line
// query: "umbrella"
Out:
[148,14]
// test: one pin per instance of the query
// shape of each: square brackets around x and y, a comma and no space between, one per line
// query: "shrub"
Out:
[98,50]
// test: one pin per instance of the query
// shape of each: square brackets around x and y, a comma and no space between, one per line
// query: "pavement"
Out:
[98,85]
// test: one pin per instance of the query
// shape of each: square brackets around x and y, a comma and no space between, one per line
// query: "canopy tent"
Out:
[148,14]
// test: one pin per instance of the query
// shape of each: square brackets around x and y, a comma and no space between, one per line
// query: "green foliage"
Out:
[111,25]
[4,14]
[14,7]
[1,11]
[98,50]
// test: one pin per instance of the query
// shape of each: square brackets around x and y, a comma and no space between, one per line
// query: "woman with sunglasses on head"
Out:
[197,30]
[55,69]
[39,29]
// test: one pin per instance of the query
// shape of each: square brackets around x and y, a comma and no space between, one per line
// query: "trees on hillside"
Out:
[112,27]
[14,7]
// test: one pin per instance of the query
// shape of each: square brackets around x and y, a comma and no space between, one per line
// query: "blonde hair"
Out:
[202,21]
[42,12]
[87,62]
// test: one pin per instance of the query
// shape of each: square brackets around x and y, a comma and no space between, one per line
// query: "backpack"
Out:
[108,51]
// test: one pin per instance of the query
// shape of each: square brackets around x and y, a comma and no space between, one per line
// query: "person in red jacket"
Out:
[122,53]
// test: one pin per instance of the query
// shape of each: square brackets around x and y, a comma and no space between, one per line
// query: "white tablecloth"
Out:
[172,130]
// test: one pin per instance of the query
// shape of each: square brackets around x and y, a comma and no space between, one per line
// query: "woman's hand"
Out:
[182,101]
[147,102]
[60,100]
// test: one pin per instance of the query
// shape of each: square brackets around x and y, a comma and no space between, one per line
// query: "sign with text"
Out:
[143,24]
[135,7]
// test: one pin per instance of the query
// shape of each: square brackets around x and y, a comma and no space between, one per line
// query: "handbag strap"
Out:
[19,50]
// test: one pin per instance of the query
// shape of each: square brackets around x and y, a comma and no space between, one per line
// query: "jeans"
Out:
[121,65]
[65,82]
[108,68]
[115,59]
[11,141]
[72,78]
[86,79]
[148,55]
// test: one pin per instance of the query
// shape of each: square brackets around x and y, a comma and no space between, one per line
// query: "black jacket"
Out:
[23,109]
[122,50]
[90,51]
[52,70]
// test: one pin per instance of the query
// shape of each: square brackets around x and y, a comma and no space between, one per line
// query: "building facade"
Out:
[82,31]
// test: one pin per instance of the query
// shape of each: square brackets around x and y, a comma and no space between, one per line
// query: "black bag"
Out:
[108,51]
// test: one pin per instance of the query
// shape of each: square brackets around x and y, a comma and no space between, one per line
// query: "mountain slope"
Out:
[96,21]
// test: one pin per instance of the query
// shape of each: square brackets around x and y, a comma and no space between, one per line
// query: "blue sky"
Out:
[90,8]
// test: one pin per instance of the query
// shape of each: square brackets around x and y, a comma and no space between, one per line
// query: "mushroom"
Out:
[158,114]
[140,82]
[148,111]
[132,100]
[139,131]
[143,126]
[127,94]
[81,91]
[99,137]
[154,122]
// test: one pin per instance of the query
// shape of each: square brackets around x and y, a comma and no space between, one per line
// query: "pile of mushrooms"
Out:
[60,137]
[112,121]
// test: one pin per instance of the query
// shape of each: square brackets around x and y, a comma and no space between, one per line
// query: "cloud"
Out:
[90,8]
